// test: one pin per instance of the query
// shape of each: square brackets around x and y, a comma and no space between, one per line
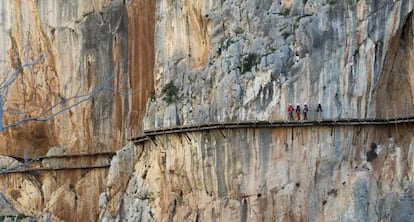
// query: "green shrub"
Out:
[225,44]
[286,12]
[170,93]
[371,155]
[251,60]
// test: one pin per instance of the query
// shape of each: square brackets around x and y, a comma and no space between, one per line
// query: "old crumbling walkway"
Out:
[86,161]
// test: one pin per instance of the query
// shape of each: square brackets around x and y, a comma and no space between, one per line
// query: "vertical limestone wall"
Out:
[98,47]
[229,61]
[141,25]
[282,174]
[56,196]
[207,61]
[247,60]
[85,45]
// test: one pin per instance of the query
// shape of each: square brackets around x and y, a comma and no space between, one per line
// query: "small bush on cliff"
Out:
[251,60]
[371,155]
[170,93]
[225,44]
[285,12]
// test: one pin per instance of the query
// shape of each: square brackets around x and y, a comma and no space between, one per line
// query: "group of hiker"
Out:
[305,111]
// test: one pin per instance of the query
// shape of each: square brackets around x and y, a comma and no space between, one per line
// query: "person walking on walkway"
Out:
[290,111]
[305,111]
[319,111]
[298,112]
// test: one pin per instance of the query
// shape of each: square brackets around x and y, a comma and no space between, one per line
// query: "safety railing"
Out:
[150,133]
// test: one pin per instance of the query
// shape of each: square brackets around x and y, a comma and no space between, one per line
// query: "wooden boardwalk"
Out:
[149,134]
[90,161]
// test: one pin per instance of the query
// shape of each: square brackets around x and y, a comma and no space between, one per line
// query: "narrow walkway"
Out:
[36,169]
[62,162]
[70,156]
[102,160]
[149,134]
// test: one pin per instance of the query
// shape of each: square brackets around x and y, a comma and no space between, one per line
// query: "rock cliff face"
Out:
[88,48]
[223,61]
[213,61]
[264,55]
[287,174]
[87,51]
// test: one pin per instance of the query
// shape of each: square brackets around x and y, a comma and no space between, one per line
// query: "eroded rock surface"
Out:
[247,60]
[88,47]
[287,174]
[230,61]
[215,61]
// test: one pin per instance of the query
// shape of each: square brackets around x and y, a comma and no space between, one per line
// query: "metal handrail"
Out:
[268,124]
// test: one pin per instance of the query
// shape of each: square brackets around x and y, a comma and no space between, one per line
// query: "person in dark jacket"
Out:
[319,111]
[305,111]
[298,111]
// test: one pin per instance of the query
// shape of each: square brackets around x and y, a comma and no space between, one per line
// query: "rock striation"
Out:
[282,174]
[232,61]
[265,55]
[166,63]
[87,51]
[81,49]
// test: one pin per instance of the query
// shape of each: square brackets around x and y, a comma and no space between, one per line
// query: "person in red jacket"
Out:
[290,111]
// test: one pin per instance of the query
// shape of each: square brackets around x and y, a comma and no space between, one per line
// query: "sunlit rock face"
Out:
[247,60]
[83,46]
[77,48]
[211,61]
[229,61]
[287,174]
[68,195]
[86,48]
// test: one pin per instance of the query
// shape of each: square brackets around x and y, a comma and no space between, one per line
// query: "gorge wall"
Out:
[232,61]
[264,55]
[79,49]
[171,63]
[285,174]
[87,51]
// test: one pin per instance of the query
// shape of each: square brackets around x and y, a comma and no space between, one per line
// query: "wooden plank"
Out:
[269,124]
